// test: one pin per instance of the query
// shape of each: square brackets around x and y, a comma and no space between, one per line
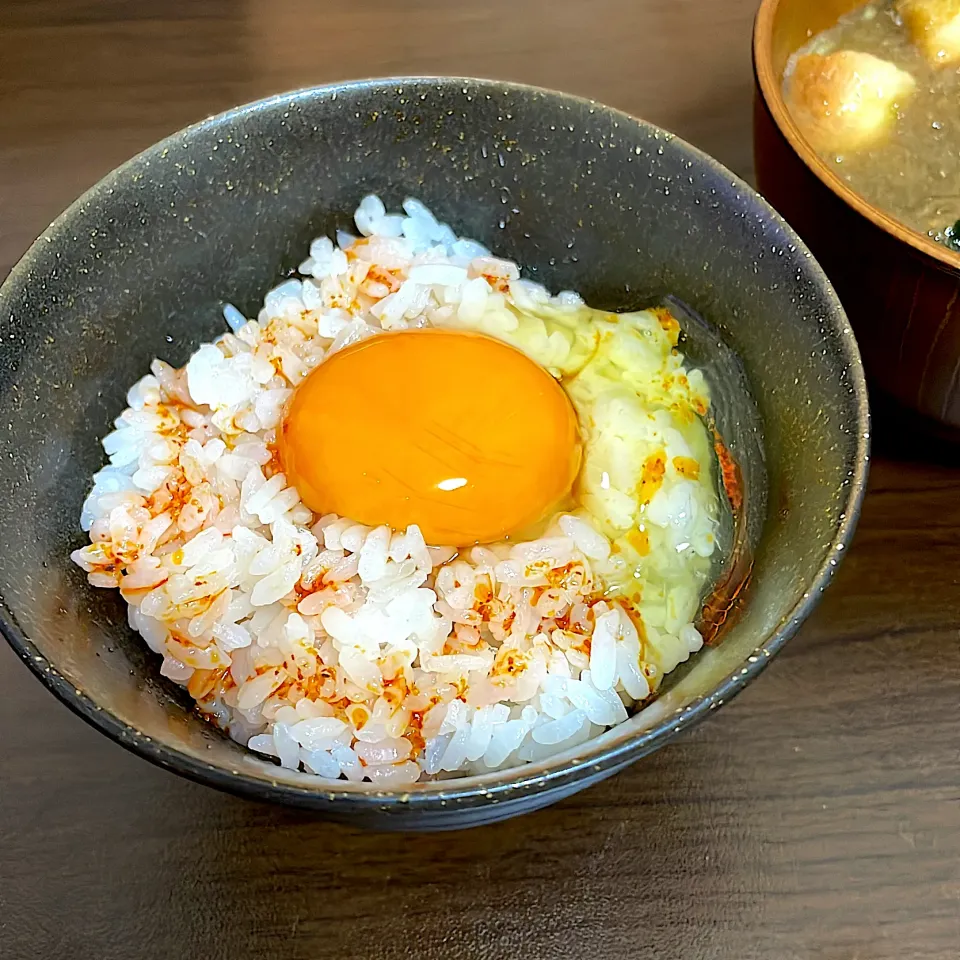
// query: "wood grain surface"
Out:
[818,816]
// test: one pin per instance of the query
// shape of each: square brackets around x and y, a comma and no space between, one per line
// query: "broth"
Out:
[913,172]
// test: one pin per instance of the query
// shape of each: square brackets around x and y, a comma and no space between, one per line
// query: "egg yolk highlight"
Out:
[456,432]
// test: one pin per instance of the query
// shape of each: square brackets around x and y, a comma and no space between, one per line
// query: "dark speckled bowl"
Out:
[583,196]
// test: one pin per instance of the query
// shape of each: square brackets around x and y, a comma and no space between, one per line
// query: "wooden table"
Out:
[818,816]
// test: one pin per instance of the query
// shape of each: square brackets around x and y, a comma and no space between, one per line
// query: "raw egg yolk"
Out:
[456,432]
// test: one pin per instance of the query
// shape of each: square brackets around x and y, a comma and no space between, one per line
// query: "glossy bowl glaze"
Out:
[583,196]
[900,288]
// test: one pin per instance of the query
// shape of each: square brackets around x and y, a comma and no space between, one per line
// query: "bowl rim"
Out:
[585,763]
[770,90]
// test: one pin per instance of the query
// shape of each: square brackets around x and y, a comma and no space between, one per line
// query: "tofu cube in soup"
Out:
[847,100]
[934,26]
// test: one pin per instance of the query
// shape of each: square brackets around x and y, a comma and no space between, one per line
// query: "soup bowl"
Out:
[585,198]
[900,288]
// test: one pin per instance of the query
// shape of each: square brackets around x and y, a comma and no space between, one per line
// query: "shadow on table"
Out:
[901,434]
[552,884]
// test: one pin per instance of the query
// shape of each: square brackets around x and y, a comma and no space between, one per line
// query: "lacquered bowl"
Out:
[584,197]
[900,288]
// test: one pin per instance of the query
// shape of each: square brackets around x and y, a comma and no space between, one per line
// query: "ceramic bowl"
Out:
[585,198]
[900,288]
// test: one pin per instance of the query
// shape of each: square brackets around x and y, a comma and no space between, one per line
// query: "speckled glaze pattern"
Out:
[583,196]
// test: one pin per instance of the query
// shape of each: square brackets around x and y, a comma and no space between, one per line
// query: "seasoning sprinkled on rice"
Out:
[362,651]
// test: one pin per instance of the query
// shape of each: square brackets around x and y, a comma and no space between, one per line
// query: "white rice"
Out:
[354,652]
